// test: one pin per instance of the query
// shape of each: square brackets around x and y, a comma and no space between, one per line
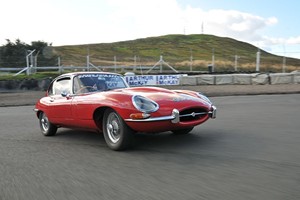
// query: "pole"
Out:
[29,65]
[115,63]
[283,64]
[161,62]
[88,59]
[88,63]
[235,62]
[191,61]
[134,67]
[60,70]
[257,61]
[213,59]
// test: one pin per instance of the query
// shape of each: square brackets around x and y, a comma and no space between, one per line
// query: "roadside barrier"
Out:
[242,79]
[160,80]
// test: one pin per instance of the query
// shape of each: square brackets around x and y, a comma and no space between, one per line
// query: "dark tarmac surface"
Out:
[251,151]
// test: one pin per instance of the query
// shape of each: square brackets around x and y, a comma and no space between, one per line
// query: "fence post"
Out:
[257,60]
[29,66]
[283,64]
[235,62]
[134,67]
[115,63]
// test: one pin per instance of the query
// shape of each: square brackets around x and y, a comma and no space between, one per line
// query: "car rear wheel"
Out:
[47,128]
[182,131]
[117,135]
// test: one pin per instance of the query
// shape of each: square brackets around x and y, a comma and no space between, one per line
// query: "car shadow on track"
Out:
[78,136]
[142,141]
[168,140]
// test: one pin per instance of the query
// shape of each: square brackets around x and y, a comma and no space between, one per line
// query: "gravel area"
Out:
[19,98]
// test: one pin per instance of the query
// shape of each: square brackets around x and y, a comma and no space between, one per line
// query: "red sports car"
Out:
[104,102]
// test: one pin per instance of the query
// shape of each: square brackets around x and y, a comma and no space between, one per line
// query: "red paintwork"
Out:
[84,110]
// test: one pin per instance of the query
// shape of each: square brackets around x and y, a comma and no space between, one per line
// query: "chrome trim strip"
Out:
[164,118]
[174,117]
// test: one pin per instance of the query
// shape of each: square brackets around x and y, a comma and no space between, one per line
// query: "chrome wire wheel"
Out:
[118,136]
[44,122]
[47,128]
[113,127]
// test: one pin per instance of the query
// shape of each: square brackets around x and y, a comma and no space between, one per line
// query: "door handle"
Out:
[51,100]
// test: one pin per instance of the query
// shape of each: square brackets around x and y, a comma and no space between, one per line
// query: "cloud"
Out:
[96,21]
[230,23]
[134,19]
[293,40]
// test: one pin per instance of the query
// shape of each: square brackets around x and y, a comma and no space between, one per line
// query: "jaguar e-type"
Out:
[105,103]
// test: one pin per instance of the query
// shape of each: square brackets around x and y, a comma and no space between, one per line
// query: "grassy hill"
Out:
[178,51]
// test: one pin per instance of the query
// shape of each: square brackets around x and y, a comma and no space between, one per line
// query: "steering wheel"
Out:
[88,88]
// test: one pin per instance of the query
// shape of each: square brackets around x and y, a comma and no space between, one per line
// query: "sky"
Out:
[271,25]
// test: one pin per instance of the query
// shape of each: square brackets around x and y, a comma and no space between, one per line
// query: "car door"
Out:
[83,102]
[60,100]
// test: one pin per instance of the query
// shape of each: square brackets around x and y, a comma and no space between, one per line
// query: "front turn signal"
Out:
[139,116]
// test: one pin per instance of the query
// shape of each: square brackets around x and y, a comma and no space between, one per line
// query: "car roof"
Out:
[91,72]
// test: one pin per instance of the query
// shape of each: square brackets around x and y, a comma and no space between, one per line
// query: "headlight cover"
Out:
[144,104]
[204,97]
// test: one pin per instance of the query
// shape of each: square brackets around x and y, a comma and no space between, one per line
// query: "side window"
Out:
[62,85]
[76,85]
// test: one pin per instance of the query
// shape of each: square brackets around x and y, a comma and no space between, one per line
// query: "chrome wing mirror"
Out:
[65,94]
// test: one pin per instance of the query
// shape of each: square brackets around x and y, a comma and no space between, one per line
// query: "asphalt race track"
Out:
[251,151]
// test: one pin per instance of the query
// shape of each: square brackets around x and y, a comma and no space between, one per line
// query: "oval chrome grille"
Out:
[192,114]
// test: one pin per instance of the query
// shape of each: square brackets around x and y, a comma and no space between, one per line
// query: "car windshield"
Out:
[85,83]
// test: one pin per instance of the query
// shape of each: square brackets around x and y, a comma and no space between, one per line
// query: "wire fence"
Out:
[142,65]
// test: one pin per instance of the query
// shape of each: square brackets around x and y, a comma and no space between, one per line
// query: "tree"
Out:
[13,54]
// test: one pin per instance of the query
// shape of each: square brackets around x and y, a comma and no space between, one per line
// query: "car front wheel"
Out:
[117,135]
[47,128]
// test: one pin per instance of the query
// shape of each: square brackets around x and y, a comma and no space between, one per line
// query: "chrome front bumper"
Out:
[175,117]
[213,112]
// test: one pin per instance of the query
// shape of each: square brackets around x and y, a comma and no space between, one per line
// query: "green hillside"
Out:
[178,51]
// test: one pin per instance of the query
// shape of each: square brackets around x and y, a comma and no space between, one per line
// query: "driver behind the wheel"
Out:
[101,85]
[84,85]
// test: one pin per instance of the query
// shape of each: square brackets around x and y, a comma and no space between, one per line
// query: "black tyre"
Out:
[118,136]
[47,128]
[182,131]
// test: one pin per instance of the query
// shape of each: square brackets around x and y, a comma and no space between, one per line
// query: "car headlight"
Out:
[204,97]
[144,104]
